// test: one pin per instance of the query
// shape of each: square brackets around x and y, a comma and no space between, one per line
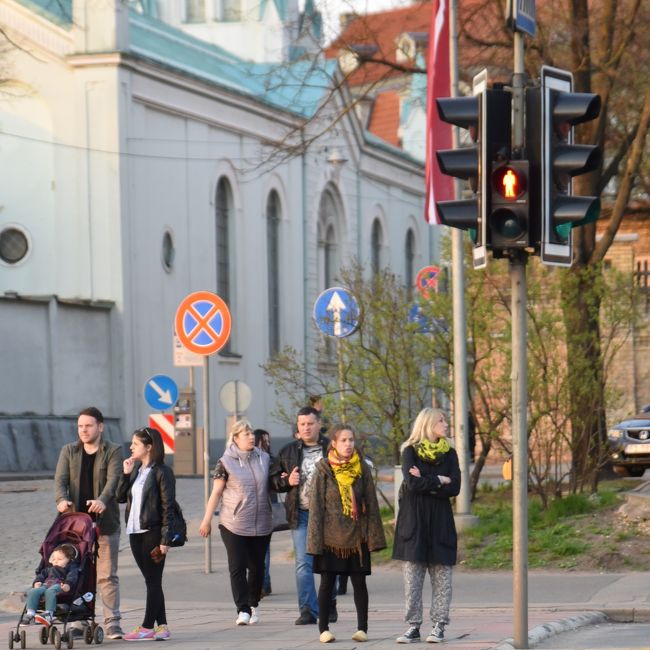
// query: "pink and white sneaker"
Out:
[140,634]
[162,633]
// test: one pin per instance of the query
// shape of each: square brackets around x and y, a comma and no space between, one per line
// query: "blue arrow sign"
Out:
[336,312]
[160,392]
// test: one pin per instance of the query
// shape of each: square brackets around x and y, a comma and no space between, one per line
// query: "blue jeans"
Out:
[305,584]
[35,593]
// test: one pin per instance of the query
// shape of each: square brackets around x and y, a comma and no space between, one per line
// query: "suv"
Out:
[628,444]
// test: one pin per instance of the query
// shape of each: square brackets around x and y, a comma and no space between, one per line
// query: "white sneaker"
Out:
[255,616]
[243,618]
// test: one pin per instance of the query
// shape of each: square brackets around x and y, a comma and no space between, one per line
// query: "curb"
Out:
[543,632]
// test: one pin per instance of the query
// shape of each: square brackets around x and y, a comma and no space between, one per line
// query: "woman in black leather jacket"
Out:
[148,487]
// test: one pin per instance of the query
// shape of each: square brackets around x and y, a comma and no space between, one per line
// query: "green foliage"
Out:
[554,532]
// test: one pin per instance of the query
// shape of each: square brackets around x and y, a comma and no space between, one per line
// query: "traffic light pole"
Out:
[463,518]
[519,382]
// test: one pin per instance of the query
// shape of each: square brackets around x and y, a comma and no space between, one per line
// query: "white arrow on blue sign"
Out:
[160,392]
[336,312]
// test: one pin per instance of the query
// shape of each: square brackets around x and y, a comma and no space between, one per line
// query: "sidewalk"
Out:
[201,613]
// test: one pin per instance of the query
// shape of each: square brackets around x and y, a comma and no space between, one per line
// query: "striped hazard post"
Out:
[164,423]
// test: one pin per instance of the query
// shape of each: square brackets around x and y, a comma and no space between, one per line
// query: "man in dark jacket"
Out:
[292,472]
[85,481]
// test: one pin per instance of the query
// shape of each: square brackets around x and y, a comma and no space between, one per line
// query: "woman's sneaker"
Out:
[412,635]
[437,634]
[140,634]
[162,633]
[243,618]
[255,616]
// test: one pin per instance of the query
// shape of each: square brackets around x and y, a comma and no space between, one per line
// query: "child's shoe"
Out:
[44,619]
[28,618]
[140,634]
[162,633]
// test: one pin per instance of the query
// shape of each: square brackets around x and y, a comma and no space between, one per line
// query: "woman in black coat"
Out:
[425,534]
[148,487]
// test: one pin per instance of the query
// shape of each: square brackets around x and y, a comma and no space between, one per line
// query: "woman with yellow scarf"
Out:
[425,534]
[344,527]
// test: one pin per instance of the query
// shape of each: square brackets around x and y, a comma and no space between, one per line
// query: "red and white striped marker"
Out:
[164,423]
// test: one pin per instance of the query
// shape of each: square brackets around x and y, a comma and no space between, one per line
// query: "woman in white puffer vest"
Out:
[241,482]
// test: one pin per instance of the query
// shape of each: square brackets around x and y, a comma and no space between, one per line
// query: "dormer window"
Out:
[409,44]
[350,58]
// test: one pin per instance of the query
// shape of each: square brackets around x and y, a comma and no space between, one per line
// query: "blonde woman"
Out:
[425,535]
[241,483]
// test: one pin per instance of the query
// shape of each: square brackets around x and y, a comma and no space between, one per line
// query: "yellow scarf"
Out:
[431,451]
[346,473]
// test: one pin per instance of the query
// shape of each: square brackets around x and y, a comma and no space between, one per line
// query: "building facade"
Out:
[143,164]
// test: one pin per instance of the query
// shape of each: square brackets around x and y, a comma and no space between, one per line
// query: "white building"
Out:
[141,164]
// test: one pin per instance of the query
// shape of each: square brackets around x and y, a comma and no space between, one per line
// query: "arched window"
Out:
[273,269]
[409,261]
[377,240]
[224,209]
[328,241]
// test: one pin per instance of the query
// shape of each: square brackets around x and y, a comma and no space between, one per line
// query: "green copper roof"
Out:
[57,11]
[280,5]
[297,88]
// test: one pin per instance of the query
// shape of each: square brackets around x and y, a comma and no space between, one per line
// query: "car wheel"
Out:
[636,471]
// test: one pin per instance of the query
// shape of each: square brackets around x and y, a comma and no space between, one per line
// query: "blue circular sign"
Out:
[160,392]
[336,312]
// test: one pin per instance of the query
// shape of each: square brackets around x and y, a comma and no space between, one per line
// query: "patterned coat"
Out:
[329,529]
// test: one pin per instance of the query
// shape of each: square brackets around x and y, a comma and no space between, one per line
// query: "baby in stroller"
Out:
[59,575]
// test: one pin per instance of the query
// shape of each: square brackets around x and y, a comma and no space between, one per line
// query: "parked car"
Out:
[628,445]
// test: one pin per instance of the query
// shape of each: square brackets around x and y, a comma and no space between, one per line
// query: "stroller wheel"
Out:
[88,634]
[98,634]
[51,632]
[44,635]
[23,639]
[11,639]
[56,638]
[69,639]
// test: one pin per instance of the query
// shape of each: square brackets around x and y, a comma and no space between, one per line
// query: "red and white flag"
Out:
[439,187]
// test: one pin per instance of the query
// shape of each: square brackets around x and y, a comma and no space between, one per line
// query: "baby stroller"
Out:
[78,604]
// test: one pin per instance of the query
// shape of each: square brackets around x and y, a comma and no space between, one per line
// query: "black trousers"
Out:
[246,566]
[327,585]
[141,546]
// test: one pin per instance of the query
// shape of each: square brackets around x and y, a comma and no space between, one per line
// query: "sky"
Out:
[331,9]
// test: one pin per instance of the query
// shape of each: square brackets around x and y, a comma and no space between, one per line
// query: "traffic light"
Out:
[486,115]
[551,113]
[508,220]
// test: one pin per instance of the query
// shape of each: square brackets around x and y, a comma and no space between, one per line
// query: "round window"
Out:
[14,244]
[168,251]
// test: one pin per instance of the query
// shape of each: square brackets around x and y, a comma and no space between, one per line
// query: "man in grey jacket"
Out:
[85,480]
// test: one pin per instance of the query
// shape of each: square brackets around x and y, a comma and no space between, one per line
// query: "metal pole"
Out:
[458,304]
[206,454]
[339,354]
[519,384]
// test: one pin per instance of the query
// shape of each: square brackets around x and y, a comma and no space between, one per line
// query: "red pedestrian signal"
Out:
[509,183]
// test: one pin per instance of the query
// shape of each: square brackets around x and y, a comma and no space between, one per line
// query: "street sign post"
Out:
[202,324]
[235,397]
[160,392]
[336,312]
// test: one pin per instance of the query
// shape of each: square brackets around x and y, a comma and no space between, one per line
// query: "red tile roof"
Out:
[384,117]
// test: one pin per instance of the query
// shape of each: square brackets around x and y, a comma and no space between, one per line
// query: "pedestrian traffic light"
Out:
[508,220]
[461,163]
[551,113]
[486,115]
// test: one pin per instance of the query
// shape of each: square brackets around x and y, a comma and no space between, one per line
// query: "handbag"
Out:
[177,529]
[279,517]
